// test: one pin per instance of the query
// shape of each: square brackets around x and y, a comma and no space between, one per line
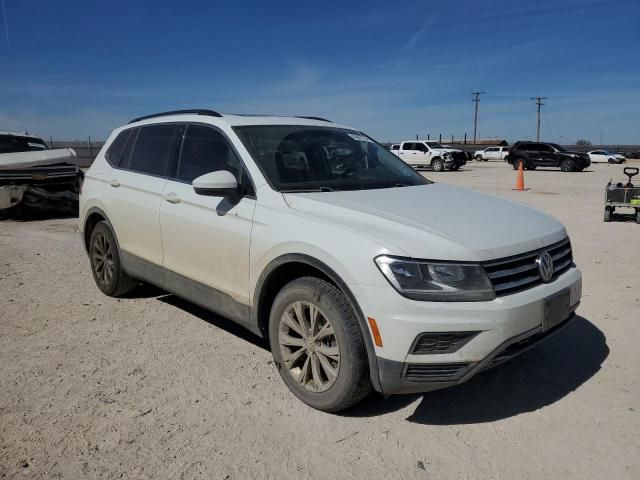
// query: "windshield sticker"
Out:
[358,137]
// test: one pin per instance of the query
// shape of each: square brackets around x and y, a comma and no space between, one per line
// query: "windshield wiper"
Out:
[306,190]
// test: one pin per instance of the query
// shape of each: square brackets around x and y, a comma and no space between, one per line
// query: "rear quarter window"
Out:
[116,149]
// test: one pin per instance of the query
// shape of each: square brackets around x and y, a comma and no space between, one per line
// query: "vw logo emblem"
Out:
[545,266]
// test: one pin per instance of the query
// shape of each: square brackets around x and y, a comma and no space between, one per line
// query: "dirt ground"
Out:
[154,387]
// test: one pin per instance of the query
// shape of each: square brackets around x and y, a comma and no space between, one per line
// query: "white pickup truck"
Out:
[429,154]
[491,153]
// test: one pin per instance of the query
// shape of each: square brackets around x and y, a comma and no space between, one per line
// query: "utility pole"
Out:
[476,99]
[539,104]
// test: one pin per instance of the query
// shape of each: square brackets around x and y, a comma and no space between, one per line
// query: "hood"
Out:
[436,221]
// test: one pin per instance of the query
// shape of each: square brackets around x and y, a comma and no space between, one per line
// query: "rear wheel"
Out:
[612,161]
[479,158]
[106,265]
[607,214]
[437,165]
[532,167]
[517,162]
[568,165]
[317,345]
[638,216]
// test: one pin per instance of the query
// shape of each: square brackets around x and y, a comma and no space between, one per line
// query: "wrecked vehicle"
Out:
[34,179]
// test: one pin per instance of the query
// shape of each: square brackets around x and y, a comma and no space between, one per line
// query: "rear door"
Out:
[408,152]
[206,238]
[133,195]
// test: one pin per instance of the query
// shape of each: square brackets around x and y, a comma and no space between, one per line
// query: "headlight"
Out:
[436,282]
[446,154]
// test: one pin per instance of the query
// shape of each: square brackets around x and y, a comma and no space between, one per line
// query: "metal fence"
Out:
[87,150]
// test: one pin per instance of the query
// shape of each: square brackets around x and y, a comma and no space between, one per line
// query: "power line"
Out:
[539,104]
[476,100]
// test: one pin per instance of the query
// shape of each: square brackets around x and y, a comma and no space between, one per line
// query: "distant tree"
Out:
[582,142]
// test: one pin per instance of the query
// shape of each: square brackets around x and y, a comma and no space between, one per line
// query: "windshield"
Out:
[308,158]
[435,145]
[558,147]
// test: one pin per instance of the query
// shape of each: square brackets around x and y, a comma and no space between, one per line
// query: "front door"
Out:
[206,239]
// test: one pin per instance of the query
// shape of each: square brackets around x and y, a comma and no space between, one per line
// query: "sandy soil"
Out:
[153,387]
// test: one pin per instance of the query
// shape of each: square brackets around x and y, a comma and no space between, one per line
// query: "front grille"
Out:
[436,372]
[440,342]
[517,273]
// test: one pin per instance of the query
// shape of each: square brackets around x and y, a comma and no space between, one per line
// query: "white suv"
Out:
[360,272]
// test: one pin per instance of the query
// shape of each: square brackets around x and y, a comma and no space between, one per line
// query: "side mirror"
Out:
[221,183]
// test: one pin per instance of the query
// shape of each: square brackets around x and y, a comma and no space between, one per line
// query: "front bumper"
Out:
[400,377]
[497,325]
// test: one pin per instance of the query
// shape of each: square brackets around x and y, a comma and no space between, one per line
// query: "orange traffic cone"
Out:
[520,178]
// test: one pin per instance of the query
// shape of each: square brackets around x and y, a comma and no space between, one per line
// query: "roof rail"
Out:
[209,113]
[313,118]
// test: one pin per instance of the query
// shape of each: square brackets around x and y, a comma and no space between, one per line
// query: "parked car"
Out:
[35,179]
[602,156]
[362,276]
[429,154]
[491,153]
[539,154]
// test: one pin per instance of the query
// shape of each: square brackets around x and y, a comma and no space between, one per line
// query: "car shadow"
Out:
[534,380]
[215,320]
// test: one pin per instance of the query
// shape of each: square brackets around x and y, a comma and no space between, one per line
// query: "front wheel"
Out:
[532,167]
[607,214]
[317,345]
[437,165]
[568,166]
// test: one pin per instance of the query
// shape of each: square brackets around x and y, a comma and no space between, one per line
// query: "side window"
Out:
[116,149]
[546,148]
[395,147]
[206,150]
[407,146]
[155,148]
[531,147]
[492,149]
[421,147]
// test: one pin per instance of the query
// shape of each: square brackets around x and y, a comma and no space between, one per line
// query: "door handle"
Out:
[172,198]
[114,183]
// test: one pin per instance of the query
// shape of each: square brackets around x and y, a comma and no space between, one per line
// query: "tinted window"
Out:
[155,147]
[492,149]
[545,148]
[205,150]
[408,146]
[116,149]
[395,147]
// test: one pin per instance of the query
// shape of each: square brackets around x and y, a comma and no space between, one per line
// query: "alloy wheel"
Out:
[103,259]
[309,346]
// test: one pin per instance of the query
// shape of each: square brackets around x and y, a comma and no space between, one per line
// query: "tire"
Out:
[611,161]
[607,214]
[437,165]
[568,165]
[517,162]
[455,168]
[479,158]
[638,216]
[351,382]
[102,245]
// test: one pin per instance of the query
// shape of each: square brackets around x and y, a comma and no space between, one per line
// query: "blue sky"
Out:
[392,69]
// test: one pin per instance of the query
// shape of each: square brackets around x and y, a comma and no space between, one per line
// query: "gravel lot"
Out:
[154,387]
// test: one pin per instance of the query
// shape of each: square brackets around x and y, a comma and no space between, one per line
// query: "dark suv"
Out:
[539,154]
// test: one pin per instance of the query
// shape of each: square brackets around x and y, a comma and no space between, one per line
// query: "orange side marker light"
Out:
[377,339]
